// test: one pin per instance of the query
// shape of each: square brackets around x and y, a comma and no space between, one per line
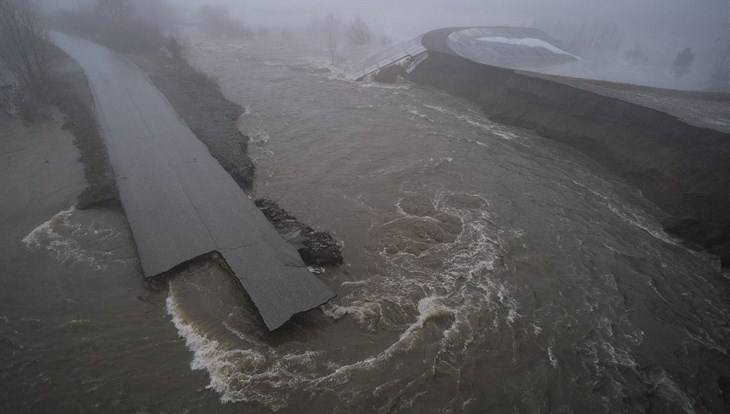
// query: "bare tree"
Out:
[359,33]
[720,72]
[23,41]
[331,25]
[113,10]
[637,56]
[218,21]
[125,24]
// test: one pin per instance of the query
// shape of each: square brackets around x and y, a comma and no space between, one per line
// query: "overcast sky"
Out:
[672,21]
[403,18]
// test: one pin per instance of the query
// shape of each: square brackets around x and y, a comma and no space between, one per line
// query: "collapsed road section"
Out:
[180,203]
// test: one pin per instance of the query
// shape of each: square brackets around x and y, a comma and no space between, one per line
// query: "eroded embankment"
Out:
[68,90]
[684,169]
[201,104]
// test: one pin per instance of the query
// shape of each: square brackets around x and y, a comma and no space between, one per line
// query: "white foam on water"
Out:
[443,305]
[551,356]
[670,391]
[637,220]
[256,373]
[259,136]
[77,324]
[417,114]
[63,239]
[428,308]
[704,339]
[619,356]
[420,166]
[630,216]
[482,124]
[509,302]
[366,313]
[274,64]
[466,289]
[355,283]
[231,371]
[46,229]
[377,85]
[333,72]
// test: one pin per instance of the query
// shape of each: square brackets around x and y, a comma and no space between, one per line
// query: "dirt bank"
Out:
[199,101]
[315,247]
[69,91]
[682,168]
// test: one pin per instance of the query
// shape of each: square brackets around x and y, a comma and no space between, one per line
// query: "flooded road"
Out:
[487,270]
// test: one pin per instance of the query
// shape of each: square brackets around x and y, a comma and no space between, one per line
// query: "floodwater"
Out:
[487,270]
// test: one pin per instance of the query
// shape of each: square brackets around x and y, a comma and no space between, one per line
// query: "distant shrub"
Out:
[331,26]
[175,48]
[216,20]
[23,44]
[637,56]
[683,62]
[720,76]
[359,33]
[129,25]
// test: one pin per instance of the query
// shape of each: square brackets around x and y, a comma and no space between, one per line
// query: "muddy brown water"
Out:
[487,270]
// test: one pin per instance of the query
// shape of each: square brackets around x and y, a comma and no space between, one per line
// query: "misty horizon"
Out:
[365,206]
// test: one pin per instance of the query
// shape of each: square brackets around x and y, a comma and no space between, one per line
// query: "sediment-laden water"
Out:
[487,270]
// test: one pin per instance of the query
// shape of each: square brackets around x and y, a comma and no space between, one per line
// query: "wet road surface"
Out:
[180,203]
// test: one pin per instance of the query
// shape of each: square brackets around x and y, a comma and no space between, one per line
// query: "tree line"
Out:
[23,41]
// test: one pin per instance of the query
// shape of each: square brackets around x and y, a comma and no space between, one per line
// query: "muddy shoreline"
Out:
[683,169]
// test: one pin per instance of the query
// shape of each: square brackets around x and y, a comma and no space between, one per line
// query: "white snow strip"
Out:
[527,41]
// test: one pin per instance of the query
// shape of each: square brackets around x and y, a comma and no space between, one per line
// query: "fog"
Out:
[652,32]
[332,206]
[659,28]
[690,21]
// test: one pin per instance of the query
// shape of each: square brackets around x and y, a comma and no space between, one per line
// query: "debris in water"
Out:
[317,248]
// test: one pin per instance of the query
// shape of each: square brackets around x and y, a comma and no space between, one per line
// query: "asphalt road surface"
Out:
[180,203]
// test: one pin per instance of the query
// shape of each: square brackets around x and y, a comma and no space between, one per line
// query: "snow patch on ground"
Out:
[527,41]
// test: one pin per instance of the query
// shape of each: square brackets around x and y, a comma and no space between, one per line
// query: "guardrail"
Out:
[389,56]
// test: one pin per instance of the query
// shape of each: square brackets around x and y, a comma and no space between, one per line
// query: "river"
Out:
[487,269]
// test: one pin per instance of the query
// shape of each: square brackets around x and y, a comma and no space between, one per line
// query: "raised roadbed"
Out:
[180,203]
